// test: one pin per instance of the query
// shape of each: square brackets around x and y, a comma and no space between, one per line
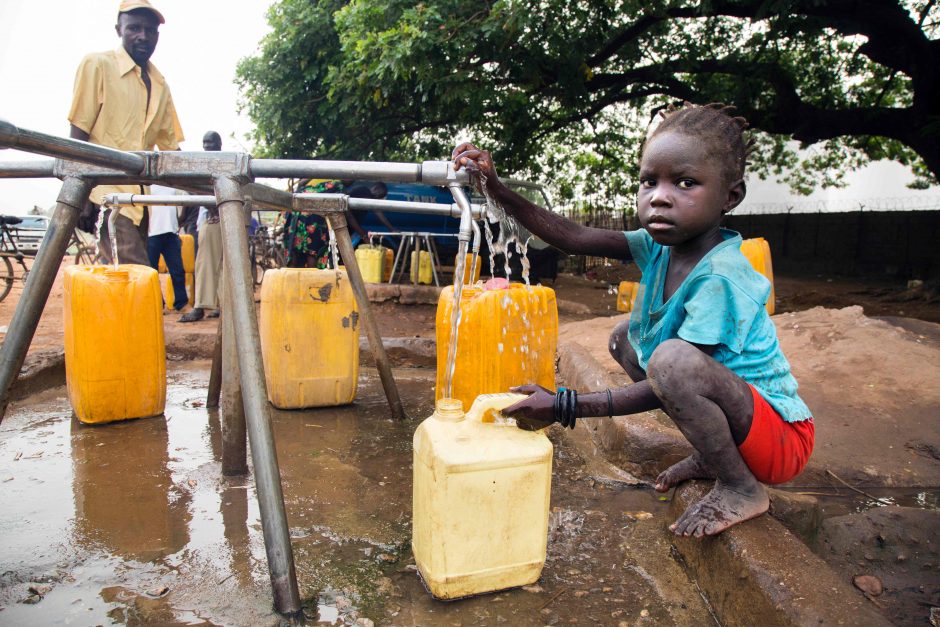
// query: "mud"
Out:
[133,523]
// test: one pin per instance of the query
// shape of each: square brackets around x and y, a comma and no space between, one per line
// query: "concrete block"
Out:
[758,573]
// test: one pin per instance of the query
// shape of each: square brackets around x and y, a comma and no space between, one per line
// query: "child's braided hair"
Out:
[714,124]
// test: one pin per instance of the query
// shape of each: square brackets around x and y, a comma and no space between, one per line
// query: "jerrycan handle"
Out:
[486,405]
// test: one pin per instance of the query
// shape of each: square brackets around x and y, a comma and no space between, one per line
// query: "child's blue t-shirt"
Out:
[720,303]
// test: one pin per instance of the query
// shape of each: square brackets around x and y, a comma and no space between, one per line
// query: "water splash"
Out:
[112,235]
[334,250]
[451,362]
[97,234]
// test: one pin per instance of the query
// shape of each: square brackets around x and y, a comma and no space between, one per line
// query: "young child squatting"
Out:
[699,344]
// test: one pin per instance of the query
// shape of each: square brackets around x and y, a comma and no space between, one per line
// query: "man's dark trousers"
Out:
[168,245]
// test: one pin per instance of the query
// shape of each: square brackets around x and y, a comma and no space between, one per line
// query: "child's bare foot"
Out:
[719,509]
[692,467]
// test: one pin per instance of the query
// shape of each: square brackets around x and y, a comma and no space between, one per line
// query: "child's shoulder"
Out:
[727,264]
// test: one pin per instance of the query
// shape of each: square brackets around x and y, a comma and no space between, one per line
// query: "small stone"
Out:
[607,589]
[342,603]
[935,616]
[365,622]
[644,613]
[574,571]
[616,614]
[581,593]
[386,557]
[159,591]
[868,584]
[533,588]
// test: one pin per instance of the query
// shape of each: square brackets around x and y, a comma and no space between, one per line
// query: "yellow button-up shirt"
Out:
[109,102]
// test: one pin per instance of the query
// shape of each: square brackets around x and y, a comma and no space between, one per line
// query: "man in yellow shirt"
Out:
[121,100]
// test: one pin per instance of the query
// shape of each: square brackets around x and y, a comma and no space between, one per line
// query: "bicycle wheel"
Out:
[6,277]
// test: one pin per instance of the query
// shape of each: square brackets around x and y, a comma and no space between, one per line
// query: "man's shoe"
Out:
[193,316]
[213,314]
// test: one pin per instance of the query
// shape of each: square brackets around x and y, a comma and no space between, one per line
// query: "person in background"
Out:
[121,100]
[164,240]
[209,254]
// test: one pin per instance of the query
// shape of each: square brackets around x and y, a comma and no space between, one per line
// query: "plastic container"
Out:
[188,250]
[389,263]
[507,337]
[466,269]
[422,268]
[626,295]
[169,296]
[309,326]
[480,499]
[757,251]
[371,260]
[115,357]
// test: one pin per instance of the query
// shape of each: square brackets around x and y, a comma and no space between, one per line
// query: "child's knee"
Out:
[619,343]
[674,361]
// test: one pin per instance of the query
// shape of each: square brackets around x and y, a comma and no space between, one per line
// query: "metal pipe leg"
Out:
[254,395]
[42,275]
[215,373]
[401,246]
[234,445]
[435,260]
[344,241]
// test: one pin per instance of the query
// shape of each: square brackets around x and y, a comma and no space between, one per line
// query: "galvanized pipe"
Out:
[72,198]
[400,206]
[35,169]
[153,200]
[72,149]
[234,431]
[255,397]
[344,241]
[302,168]
[215,376]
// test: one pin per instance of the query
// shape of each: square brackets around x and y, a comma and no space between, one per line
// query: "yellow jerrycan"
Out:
[468,264]
[757,251]
[371,260]
[169,295]
[188,250]
[115,357]
[421,267]
[480,500]
[506,337]
[309,326]
[626,295]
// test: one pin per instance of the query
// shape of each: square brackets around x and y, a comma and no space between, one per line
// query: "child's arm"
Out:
[555,229]
[543,407]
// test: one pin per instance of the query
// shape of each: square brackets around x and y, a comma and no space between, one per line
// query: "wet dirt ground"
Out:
[132,523]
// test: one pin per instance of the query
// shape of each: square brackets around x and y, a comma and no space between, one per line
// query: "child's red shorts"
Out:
[776,450]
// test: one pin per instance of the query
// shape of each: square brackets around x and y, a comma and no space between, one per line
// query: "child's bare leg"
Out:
[692,467]
[713,408]
[623,353]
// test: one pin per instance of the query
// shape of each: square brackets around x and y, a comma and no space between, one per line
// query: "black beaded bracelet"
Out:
[565,407]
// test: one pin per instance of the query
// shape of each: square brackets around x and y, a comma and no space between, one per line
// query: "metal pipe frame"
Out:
[230,176]
[241,310]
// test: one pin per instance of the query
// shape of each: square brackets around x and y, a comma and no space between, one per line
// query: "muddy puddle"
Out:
[132,523]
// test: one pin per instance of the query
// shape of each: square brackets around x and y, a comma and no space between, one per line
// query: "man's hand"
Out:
[535,411]
[88,218]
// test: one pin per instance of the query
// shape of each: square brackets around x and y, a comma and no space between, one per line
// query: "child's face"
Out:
[683,193]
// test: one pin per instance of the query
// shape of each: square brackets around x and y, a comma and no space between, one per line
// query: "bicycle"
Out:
[85,252]
[265,252]
[9,250]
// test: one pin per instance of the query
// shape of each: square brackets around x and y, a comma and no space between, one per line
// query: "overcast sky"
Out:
[42,42]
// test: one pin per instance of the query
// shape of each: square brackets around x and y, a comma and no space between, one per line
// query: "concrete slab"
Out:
[758,573]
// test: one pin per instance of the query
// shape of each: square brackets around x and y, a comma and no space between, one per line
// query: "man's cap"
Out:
[130,5]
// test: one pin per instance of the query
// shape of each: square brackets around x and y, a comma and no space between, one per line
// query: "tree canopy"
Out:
[564,89]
